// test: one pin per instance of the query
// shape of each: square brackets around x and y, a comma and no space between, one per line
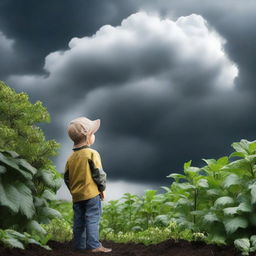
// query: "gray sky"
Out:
[171,82]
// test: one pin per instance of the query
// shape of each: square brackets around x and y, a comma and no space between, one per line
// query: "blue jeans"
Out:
[86,223]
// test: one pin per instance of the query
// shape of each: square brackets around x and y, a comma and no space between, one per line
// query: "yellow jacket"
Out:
[84,175]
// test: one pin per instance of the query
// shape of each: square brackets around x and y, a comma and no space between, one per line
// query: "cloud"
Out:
[8,55]
[162,87]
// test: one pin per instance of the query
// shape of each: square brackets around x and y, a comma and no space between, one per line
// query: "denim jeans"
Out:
[86,223]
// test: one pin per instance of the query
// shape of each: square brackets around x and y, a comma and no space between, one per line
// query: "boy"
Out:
[86,182]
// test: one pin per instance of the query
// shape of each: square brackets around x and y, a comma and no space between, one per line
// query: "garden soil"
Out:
[166,248]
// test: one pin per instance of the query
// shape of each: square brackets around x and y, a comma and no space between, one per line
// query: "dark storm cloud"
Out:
[163,99]
[42,27]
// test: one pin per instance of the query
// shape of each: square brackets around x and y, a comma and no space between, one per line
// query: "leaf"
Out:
[231,225]
[243,244]
[162,219]
[223,160]
[242,146]
[237,154]
[224,200]
[210,161]
[176,176]
[49,212]
[165,188]
[25,198]
[245,207]
[13,242]
[187,164]
[12,154]
[36,227]
[253,193]
[5,160]
[217,238]
[47,178]
[242,207]
[24,164]
[203,183]
[2,169]
[210,217]
[4,197]
[253,241]
[184,186]
[213,192]
[238,166]
[252,147]
[231,180]
[47,194]
[230,210]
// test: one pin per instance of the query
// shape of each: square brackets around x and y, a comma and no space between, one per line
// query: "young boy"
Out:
[86,182]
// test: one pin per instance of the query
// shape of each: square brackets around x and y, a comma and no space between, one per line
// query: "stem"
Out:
[195,204]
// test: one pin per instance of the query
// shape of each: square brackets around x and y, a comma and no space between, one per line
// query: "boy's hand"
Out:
[102,195]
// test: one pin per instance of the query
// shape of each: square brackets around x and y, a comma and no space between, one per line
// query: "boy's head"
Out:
[81,130]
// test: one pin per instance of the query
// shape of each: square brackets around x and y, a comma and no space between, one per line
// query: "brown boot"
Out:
[101,249]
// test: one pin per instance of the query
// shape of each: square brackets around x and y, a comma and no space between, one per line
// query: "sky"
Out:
[171,81]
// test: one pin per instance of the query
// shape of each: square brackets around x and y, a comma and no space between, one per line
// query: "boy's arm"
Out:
[98,174]
[66,176]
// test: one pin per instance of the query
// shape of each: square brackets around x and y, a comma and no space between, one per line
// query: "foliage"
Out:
[23,205]
[19,133]
[154,235]
[59,230]
[217,199]
[65,208]
[12,238]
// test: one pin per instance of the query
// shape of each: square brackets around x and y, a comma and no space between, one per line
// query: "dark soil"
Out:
[166,248]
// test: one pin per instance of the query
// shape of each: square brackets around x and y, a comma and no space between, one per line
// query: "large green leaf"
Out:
[9,162]
[242,207]
[17,197]
[47,178]
[25,165]
[210,217]
[13,242]
[231,180]
[5,192]
[224,200]
[242,167]
[230,210]
[231,225]
[26,204]
[49,212]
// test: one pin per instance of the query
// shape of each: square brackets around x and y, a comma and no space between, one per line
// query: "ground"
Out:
[166,248]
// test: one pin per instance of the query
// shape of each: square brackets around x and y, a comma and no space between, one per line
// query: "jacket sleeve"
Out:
[98,174]
[66,176]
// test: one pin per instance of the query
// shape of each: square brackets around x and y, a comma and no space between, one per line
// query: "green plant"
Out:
[216,200]
[59,230]
[22,205]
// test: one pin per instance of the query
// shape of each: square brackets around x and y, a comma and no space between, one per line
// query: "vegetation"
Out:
[217,200]
[28,178]
[19,133]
